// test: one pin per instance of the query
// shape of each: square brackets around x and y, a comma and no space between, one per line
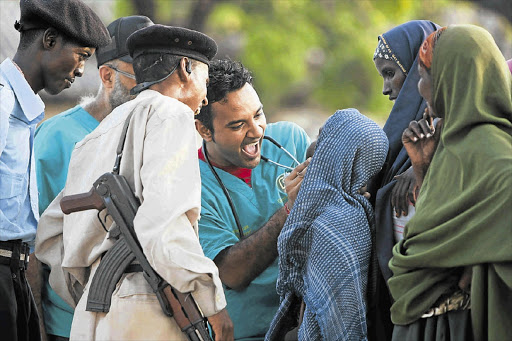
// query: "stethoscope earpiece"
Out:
[266,159]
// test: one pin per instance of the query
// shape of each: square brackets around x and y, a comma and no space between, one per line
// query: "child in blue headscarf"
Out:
[325,245]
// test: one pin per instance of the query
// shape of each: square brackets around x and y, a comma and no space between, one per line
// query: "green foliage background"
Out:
[308,53]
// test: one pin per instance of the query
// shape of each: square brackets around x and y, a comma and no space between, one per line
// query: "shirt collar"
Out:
[31,104]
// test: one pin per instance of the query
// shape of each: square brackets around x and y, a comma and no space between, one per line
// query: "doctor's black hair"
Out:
[225,76]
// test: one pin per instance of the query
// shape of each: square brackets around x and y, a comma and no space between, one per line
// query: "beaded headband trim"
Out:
[384,51]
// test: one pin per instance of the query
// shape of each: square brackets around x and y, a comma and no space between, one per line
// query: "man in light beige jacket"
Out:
[160,163]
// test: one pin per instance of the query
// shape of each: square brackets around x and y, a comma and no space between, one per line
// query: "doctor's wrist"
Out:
[287,209]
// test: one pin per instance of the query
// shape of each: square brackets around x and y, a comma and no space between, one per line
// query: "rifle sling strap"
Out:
[118,258]
[120,146]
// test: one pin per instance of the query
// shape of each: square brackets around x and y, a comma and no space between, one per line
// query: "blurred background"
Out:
[308,57]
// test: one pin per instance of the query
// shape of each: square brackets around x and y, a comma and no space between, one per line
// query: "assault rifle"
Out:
[112,191]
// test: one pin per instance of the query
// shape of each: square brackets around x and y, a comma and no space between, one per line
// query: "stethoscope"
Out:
[225,190]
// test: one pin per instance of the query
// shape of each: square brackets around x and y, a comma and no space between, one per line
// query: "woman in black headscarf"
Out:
[396,61]
[393,188]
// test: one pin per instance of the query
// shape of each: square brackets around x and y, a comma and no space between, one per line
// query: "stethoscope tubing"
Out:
[225,190]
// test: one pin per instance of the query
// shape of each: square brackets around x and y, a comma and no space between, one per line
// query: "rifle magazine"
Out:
[108,274]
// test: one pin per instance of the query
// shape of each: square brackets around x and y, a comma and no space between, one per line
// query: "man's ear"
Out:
[205,133]
[50,37]
[184,68]
[107,76]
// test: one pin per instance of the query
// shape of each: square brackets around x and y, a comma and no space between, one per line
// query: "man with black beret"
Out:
[56,38]
[55,139]
[159,161]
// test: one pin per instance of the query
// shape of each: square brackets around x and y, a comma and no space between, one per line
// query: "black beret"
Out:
[71,17]
[172,40]
[119,30]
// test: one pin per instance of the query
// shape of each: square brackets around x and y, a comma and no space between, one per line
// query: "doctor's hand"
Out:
[293,181]
[222,326]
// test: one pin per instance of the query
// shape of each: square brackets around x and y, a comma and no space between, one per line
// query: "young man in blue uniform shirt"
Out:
[55,139]
[232,126]
[56,38]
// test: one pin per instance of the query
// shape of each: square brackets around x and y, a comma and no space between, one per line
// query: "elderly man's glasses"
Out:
[124,73]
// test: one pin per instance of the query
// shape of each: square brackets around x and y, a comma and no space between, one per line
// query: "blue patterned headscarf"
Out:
[325,245]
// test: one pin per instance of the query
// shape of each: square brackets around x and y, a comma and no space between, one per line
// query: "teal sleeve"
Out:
[52,155]
[214,235]
[54,142]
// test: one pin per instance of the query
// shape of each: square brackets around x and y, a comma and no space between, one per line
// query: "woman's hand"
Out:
[465,279]
[364,191]
[420,140]
[404,191]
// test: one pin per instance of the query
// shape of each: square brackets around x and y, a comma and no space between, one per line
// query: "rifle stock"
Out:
[186,313]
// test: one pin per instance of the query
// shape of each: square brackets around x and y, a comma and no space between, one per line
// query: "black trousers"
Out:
[452,326]
[19,319]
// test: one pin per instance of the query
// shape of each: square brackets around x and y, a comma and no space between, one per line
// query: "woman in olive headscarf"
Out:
[465,81]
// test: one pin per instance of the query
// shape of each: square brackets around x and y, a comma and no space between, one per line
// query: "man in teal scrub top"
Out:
[56,138]
[232,126]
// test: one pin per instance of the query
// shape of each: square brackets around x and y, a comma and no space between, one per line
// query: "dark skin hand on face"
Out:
[407,187]
[420,140]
